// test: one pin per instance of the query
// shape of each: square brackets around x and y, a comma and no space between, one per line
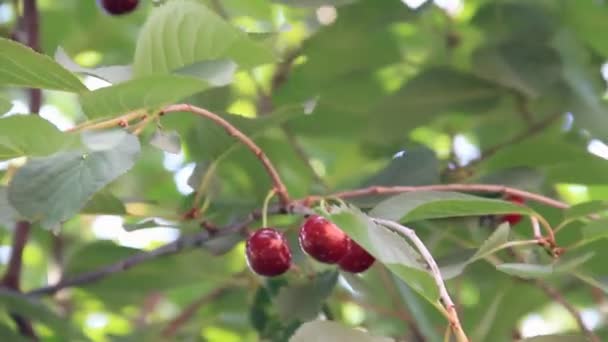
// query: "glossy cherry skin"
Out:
[323,240]
[268,252]
[513,219]
[357,259]
[118,7]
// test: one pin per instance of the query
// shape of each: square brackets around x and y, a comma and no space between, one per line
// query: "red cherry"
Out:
[118,7]
[268,252]
[357,259]
[513,219]
[323,240]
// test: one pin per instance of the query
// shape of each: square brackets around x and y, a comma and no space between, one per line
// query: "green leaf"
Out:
[423,205]
[528,271]
[104,203]
[532,271]
[529,68]
[433,92]
[5,105]
[585,86]
[217,73]
[31,135]
[112,74]
[594,230]
[314,3]
[584,209]
[388,248]
[303,301]
[493,243]
[588,18]
[35,310]
[329,331]
[167,141]
[10,335]
[55,188]
[8,215]
[150,93]
[515,20]
[208,141]
[557,338]
[23,67]
[146,223]
[183,32]
[484,327]
[417,166]
[602,285]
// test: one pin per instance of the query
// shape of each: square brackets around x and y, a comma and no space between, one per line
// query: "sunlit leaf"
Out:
[23,67]
[182,32]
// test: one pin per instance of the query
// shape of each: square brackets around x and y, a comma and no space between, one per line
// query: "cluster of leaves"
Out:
[518,80]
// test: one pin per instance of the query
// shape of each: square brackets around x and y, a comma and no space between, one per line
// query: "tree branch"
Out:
[30,22]
[491,188]
[446,300]
[32,39]
[181,244]
[278,184]
[11,278]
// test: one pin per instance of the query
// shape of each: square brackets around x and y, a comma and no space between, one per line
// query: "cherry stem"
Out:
[265,207]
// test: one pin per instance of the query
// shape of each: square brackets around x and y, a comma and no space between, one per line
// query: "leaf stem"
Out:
[446,300]
[265,207]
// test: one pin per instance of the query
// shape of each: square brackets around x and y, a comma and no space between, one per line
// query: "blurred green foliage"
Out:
[339,95]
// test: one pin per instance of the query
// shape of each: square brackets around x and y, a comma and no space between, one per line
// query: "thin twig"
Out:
[236,133]
[173,326]
[446,300]
[120,121]
[532,130]
[558,297]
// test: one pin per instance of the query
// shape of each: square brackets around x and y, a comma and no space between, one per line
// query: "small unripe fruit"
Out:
[357,259]
[268,252]
[118,7]
[513,219]
[323,240]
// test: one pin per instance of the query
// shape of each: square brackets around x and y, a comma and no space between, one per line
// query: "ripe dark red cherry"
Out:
[513,219]
[357,259]
[268,252]
[118,7]
[323,240]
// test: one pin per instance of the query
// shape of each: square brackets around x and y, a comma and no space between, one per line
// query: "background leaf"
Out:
[422,205]
[55,188]
[17,142]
